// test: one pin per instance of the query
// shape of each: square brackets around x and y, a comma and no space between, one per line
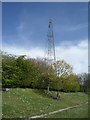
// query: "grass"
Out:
[0,105]
[20,103]
[80,112]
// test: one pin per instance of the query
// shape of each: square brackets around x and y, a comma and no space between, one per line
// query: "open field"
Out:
[20,103]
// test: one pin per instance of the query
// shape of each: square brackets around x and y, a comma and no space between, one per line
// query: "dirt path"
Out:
[43,115]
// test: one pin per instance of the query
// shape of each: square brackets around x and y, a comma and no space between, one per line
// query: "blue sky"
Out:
[25,27]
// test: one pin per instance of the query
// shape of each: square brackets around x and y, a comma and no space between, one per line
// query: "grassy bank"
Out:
[80,112]
[19,103]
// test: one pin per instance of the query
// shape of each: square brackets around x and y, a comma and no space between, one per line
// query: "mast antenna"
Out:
[50,51]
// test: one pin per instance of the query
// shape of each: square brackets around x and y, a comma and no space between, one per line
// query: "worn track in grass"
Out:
[60,110]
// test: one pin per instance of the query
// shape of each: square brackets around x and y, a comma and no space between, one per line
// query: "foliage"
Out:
[83,79]
[63,69]
[70,84]
[64,80]
[19,71]
[11,72]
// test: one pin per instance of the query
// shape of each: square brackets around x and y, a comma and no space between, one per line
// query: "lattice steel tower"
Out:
[50,50]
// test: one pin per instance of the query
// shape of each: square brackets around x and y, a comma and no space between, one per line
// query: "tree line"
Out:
[19,71]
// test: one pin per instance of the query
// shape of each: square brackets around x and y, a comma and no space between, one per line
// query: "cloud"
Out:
[23,32]
[0,39]
[75,54]
[77,27]
[32,52]
[69,27]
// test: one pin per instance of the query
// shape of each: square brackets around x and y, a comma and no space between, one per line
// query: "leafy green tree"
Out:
[36,73]
[57,73]
[30,71]
[71,84]
[10,71]
[43,80]
[62,68]
[0,69]
[20,72]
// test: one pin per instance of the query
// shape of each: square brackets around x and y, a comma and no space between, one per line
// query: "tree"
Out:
[36,73]
[43,80]
[57,74]
[0,69]
[62,70]
[30,71]
[10,72]
[71,84]
[83,80]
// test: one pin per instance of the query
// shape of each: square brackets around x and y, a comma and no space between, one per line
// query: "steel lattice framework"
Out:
[50,50]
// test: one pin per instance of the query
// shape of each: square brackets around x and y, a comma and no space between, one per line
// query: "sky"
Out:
[25,27]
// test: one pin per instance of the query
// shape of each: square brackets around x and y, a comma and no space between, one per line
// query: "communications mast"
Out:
[50,50]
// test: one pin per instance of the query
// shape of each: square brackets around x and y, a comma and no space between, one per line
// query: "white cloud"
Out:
[75,55]
[32,52]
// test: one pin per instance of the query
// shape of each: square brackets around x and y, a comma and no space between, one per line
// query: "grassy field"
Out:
[0,105]
[20,103]
[80,112]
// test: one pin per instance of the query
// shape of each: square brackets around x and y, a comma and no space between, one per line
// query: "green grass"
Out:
[20,103]
[80,112]
[0,105]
